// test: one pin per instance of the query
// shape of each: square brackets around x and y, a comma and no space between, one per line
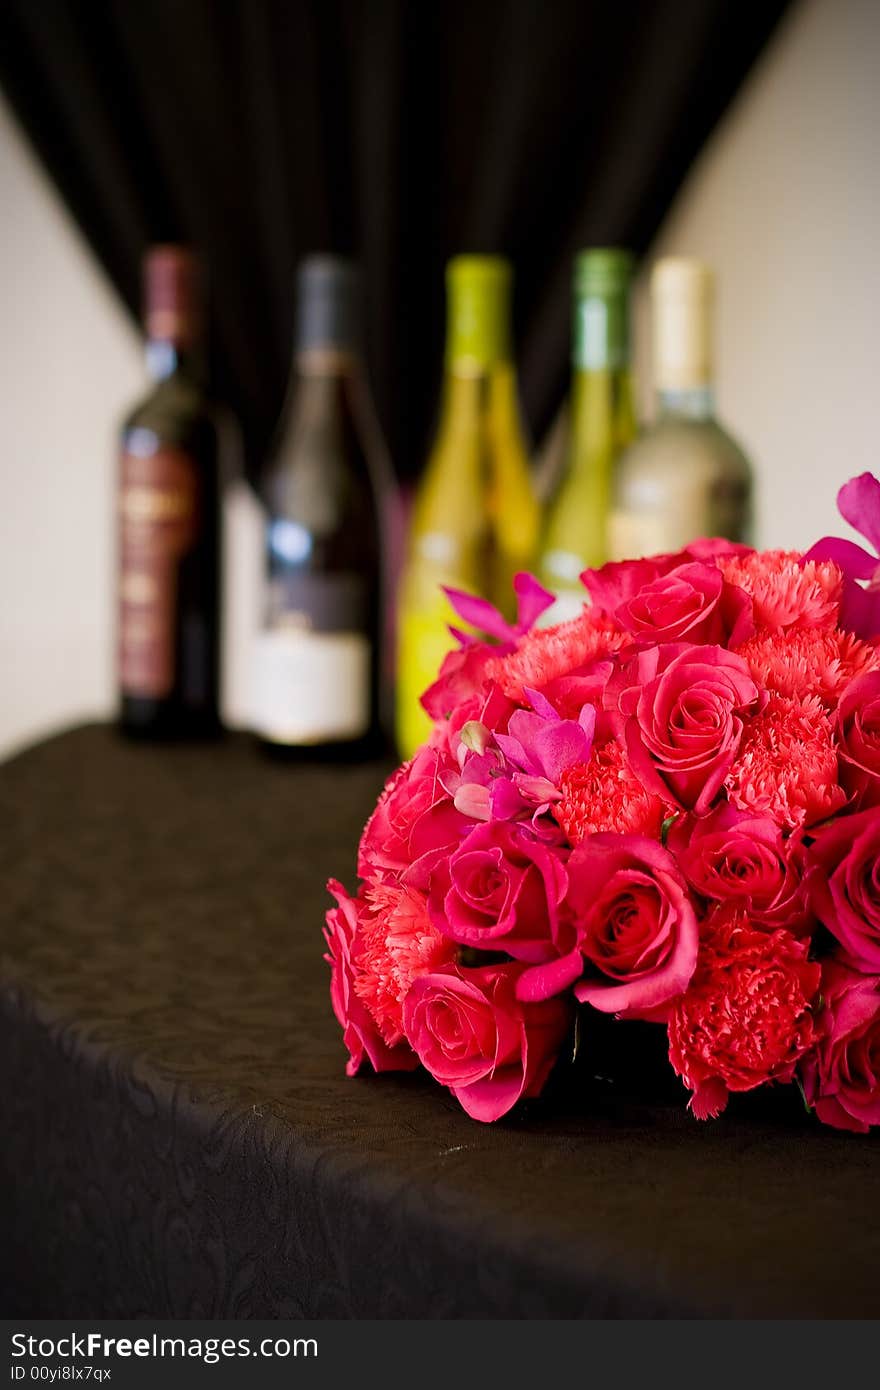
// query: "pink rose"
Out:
[679,710]
[692,603]
[844,885]
[841,1077]
[858,732]
[473,1035]
[414,822]
[500,890]
[635,926]
[742,859]
[621,580]
[359,1031]
[461,678]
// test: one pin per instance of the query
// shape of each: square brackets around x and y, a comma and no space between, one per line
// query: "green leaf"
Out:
[667,826]
[577,1036]
[807,1106]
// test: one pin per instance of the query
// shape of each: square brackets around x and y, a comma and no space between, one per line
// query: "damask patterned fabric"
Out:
[178,1137]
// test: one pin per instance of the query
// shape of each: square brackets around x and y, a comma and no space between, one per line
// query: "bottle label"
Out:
[632,535]
[312,665]
[159,520]
[311,687]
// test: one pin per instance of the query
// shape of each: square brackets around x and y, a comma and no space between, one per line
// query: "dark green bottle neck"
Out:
[166,360]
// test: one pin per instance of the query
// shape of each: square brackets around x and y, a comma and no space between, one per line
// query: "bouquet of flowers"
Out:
[665,809]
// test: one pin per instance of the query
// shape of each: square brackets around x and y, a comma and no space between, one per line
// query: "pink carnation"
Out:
[786,593]
[359,1030]
[397,943]
[746,1017]
[547,653]
[809,661]
[787,765]
[605,794]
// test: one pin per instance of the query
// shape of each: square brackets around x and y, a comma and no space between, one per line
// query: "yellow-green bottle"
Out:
[475,519]
[602,425]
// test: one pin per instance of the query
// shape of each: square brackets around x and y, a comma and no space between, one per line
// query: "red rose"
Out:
[635,928]
[619,580]
[844,884]
[500,890]
[473,1035]
[360,1034]
[691,603]
[680,709]
[735,857]
[414,823]
[746,1017]
[841,1077]
[462,677]
[857,726]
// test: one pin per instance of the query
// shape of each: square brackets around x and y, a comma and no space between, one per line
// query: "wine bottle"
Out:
[685,477]
[317,658]
[602,424]
[475,518]
[169,524]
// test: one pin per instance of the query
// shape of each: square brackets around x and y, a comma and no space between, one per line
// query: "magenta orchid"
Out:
[858,502]
[509,776]
[532,599]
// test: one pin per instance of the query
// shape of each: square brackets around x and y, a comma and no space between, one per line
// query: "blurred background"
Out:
[404,133]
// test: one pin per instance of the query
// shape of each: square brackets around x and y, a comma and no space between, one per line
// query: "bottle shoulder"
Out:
[679,446]
[173,410]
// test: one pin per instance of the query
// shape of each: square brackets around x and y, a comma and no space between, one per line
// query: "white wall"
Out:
[69,366]
[784,201]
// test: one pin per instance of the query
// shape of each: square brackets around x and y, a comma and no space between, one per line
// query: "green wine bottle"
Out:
[602,424]
[475,519]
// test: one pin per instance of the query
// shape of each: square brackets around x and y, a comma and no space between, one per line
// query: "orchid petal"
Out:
[587,721]
[513,749]
[860,611]
[532,599]
[855,562]
[450,781]
[858,502]
[559,746]
[480,613]
[504,800]
[540,704]
[536,788]
[473,800]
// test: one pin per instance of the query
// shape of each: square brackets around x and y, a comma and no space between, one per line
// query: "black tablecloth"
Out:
[178,1137]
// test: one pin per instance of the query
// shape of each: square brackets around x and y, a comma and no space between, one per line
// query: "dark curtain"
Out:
[398,130]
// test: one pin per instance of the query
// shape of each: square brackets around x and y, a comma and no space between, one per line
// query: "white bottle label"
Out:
[311,687]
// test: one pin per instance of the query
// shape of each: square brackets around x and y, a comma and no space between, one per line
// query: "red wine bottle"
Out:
[169,528]
[317,663]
